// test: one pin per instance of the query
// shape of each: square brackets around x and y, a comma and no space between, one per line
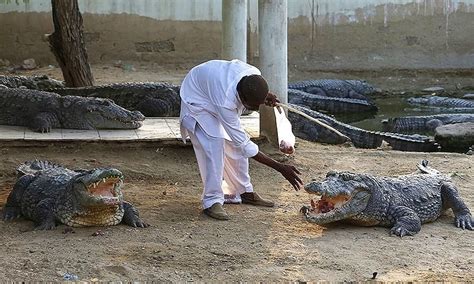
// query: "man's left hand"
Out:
[271,100]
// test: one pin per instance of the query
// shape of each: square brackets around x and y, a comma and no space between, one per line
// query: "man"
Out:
[213,96]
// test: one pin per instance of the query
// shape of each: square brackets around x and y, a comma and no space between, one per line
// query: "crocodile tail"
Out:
[34,166]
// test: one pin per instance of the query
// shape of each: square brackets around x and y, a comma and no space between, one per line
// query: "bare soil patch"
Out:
[256,244]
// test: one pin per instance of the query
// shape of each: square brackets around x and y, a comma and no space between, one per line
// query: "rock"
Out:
[471,151]
[70,276]
[433,90]
[455,137]
[468,96]
[4,63]
[384,146]
[29,64]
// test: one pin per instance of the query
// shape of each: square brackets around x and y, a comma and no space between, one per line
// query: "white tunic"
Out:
[209,97]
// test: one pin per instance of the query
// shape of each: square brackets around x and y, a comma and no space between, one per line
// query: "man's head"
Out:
[252,91]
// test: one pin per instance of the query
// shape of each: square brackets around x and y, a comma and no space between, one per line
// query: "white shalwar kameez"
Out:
[210,116]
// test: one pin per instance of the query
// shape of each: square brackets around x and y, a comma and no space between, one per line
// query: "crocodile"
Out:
[353,89]
[333,105]
[42,82]
[151,99]
[402,203]
[41,111]
[50,194]
[424,123]
[441,102]
[308,130]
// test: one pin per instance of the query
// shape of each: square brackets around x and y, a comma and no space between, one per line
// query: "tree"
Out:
[67,43]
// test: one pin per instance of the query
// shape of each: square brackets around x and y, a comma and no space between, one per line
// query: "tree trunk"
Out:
[67,43]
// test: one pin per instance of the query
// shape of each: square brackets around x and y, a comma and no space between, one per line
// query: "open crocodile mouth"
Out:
[106,189]
[326,204]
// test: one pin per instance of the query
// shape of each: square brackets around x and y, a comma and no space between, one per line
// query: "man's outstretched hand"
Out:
[291,174]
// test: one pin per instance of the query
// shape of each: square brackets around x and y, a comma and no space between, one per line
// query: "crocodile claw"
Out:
[140,224]
[11,213]
[465,221]
[400,231]
[46,226]
[305,210]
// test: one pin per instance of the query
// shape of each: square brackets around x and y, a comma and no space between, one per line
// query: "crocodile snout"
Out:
[138,115]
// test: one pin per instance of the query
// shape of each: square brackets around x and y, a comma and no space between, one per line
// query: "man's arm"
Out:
[289,172]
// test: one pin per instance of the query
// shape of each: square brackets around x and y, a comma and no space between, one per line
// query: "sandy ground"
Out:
[257,244]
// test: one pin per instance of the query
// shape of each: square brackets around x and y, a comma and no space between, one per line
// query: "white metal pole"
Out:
[252,31]
[273,43]
[234,29]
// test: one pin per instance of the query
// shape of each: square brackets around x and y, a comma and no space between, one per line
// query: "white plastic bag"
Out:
[286,138]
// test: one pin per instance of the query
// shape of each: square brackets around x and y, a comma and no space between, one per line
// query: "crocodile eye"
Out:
[105,102]
[346,176]
[331,174]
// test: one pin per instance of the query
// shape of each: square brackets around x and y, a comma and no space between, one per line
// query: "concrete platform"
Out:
[154,129]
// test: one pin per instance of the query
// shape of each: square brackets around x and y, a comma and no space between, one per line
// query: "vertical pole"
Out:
[272,26]
[252,31]
[234,29]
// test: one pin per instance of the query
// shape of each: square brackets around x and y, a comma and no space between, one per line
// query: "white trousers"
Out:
[218,160]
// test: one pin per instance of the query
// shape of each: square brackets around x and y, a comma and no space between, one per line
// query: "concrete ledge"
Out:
[163,131]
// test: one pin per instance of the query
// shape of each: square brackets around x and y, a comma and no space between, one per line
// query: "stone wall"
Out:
[323,34]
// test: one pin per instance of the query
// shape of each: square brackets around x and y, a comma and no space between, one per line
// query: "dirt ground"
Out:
[257,244]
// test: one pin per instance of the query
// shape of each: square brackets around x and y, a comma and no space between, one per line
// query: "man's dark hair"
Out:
[253,88]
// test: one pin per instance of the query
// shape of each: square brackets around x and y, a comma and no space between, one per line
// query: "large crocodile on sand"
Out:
[41,111]
[353,89]
[331,105]
[42,82]
[151,99]
[424,123]
[308,130]
[402,203]
[50,194]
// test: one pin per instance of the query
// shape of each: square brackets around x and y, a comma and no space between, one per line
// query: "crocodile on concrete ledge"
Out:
[49,194]
[352,89]
[402,203]
[41,111]
[151,99]
[424,123]
[42,82]
[331,105]
[308,130]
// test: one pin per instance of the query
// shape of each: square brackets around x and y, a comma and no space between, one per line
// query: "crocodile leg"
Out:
[131,216]
[451,199]
[406,220]
[316,91]
[158,107]
[44,215]
[13,206]
[43,122]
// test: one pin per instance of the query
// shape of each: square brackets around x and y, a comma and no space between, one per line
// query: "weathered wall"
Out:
[414,34]
[323,34]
